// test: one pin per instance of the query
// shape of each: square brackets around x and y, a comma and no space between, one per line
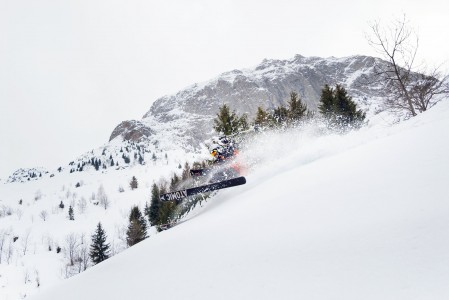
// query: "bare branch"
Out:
[408,90]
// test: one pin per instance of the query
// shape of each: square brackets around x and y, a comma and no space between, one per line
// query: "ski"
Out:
[178,195]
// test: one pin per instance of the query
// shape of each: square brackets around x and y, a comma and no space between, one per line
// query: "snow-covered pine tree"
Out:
[280,116]
[99,249]
[338,109]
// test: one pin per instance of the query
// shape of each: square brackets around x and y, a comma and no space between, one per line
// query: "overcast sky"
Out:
[70,71]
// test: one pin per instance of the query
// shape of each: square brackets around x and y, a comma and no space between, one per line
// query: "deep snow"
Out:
[360,216]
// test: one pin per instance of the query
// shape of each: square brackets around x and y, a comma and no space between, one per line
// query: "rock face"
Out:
[189,113]
[131,131]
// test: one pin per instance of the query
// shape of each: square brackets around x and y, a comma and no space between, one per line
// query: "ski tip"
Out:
[240,180]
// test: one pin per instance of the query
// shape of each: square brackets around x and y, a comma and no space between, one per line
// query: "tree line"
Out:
[336,110]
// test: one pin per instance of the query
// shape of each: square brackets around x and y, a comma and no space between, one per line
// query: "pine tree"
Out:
[262,119]
[296,108]
[166,212]
[280,116]
[146,210]
[137,228]
[228,122]
[99,249]
[348,115]
[71,213]
[174,183]
[243,122]
[326,107]
[134,184]
[338,109]
[153,212]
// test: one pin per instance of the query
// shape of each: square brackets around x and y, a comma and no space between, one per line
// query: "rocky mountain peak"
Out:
[189,113]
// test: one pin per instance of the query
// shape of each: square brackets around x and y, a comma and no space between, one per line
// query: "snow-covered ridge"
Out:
[28,174]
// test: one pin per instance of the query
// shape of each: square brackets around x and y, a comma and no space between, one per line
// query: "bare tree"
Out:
[26,275]
[37,195]
[38,280]
[3,235]
[25,240]
[83,258]
[19,214]
[5,211]
[71,245]
[426,89]
[102,197]
[409,89]
[43,215]
[9,251]
[82,204]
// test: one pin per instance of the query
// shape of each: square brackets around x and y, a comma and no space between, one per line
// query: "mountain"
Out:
[359,216]
[182,122]
[187,116]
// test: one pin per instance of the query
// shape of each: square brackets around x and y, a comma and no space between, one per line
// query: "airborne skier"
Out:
[224,171]
[223,164]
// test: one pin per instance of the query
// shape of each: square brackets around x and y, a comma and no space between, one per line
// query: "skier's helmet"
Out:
[224,140]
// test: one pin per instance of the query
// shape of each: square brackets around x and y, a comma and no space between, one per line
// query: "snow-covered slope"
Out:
[360,216]
[34,224]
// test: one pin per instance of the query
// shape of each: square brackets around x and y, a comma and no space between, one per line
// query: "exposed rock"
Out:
[268,85]
[131,131]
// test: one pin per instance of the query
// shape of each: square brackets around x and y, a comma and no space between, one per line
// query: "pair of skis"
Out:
[179,195]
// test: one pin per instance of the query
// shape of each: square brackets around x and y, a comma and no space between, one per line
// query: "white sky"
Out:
[70,71]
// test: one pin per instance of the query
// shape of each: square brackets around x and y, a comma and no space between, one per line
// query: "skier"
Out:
[225,172]
[226,150]
[224,155]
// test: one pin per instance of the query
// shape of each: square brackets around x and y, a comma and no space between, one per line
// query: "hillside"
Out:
[360,216]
